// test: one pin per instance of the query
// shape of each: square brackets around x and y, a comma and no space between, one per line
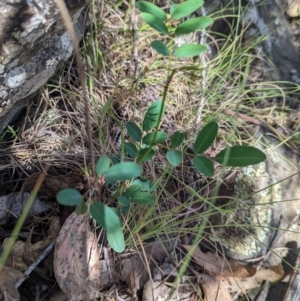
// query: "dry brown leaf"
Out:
[235,284]
[78,270]
[187,288]
[25,253]
[213,289]
[218,265]
[8,278]
[133,271]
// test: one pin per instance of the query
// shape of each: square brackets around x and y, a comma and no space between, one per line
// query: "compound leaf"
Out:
[69,197]
[204,165]
[123,171]
[155,23]
[206,137]
[189,50]
[150,8]
[240,156]
[174,157]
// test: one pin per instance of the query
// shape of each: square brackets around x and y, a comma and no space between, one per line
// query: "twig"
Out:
[35,264]
[70,29]
[203,85]
[134,36]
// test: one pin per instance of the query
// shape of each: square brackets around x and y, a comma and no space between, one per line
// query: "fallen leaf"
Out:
[217,265]
[11,205]
[213,289]
[25,253]
[235,284]
[133,271]
[78,270]
[8,278]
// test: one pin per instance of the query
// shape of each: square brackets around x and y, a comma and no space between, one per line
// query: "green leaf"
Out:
[124,200]
[134,131]
[69,197]
[172,8]
[174,157]
[143,152]
[146,184]
[189,50]
[102,165]
[160,138]
[116,240]
[206,137]
[123,171]
[131,149]
[186,8]
[204,165]
[177,139]
[81,208]
[125,209]
[151,119]
[147,7]
[106,217]
[143,198]
[160,47]
[193,25]
[132,189]
[155,23]
[240,156]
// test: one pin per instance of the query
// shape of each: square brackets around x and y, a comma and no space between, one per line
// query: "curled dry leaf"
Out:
[78,270]
[213,289]
[8,278]
[234,285]
[217,265]
[25,253]
[133,271]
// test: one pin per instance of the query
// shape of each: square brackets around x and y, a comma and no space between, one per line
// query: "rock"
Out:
[33,43]
[267,201]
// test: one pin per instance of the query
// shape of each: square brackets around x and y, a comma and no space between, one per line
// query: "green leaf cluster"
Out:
[142,143]
[156,18]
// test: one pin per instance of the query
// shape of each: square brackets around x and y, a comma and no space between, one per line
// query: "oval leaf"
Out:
[81,208]
[131,149]
[160,138]
[160,47]
[102,165]
[240,156]
[193,25]
[124,200]
[143,198]
[146,184]
[151,119]
[189,50]
[186,8]
[134,131]
[69,197]
[106,217]
[177,139]
[132,190]
[206,137]
[116,240]
[147,7]
[142,154]
[204,165]
[155,23]
[174,157]
[172,8]
[123,171]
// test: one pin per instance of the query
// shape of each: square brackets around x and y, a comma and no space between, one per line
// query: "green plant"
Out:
[131,188]
[168,25]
